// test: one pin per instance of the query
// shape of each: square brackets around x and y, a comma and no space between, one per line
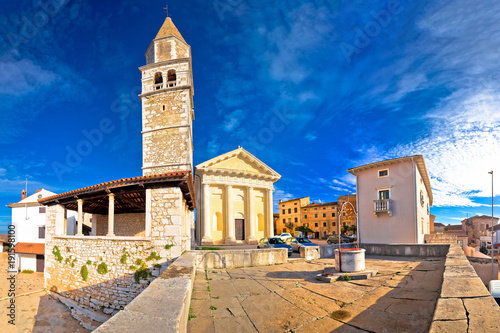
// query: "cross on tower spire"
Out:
[166,9]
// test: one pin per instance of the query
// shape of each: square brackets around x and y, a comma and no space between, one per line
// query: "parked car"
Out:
[274,242]
[297,242]
[284,235]
[334,239]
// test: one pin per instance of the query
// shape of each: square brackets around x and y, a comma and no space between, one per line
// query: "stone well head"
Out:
[350,260]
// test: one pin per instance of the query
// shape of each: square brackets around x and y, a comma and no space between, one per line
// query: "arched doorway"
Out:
[239,226]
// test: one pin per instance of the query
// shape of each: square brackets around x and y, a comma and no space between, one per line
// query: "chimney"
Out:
[280,200]
[23,195]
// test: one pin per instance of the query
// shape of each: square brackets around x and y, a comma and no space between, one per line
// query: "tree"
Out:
[344,229]
[303,229]
[353,228]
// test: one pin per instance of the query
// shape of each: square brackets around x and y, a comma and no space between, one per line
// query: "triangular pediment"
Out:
[238,160]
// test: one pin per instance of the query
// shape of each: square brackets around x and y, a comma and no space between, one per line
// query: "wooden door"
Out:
[239,229]
[40,263]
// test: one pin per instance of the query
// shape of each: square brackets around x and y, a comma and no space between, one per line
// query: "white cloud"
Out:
[22,77]
[3,171]
[233,120]
[310,137]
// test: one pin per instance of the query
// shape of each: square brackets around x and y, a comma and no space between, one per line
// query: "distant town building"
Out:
[394,199]
[439,226]
[290,214]
[235,194]
[477,226]
[321,218]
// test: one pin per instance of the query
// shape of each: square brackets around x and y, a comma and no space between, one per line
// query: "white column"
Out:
[111,215]
[80,217]
[251,216]
[206,237]
[270,219]
[65,221]
[60,221]
[229,215]
[147,227]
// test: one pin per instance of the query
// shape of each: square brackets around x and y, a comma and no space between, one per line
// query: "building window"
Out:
[343,213]
[315,215]
[344,224]
[333,224]
[324,214]
[324,208]
[383,195]
[333,214]
[315,224]
[282,205]
[324,224]
[305,216]
[171,78]
[315,208]
[284,229]
[284,211]
[289,211]
[295,210]
[296,220]
[284,220]
[383,173]
[41,210]
[295,204]
[41,232]
[305,210]
[158,81]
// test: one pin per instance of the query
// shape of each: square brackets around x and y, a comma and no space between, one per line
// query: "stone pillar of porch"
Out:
[270,219]
[80,218]
[229,214]
[111,215]
[206,238]
[251,217]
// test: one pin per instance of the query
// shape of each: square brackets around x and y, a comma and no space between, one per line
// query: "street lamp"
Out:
[492,245]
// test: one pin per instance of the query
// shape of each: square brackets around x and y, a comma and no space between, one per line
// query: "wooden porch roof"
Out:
[130,193]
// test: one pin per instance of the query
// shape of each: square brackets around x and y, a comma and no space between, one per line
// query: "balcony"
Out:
[382,206]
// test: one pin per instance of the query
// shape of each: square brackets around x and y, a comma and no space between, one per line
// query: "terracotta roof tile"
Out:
[30,248]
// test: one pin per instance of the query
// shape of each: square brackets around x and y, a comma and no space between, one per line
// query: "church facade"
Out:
[140,224]
[235,196]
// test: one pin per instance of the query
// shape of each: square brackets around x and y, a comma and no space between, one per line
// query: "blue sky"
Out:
[312,88]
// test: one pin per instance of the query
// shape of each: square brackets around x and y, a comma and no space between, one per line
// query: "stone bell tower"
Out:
[167,103]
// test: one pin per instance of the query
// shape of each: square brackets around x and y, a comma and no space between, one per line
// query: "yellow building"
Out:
[234,192]
[289,214]
[321,218]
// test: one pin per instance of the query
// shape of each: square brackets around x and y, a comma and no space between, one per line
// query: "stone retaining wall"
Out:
[114,286]
[406,250]
[240,258]
[163,306]
[482,267]
[440,239]
[465,305]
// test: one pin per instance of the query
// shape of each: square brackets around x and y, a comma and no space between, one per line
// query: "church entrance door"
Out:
[239,229]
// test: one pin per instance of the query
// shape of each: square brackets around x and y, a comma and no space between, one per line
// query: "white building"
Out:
[28,219]
[394,198]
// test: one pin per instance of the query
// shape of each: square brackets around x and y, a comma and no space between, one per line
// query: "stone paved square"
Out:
[288,298]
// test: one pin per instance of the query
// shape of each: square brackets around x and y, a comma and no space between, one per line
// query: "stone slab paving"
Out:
[288,298]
